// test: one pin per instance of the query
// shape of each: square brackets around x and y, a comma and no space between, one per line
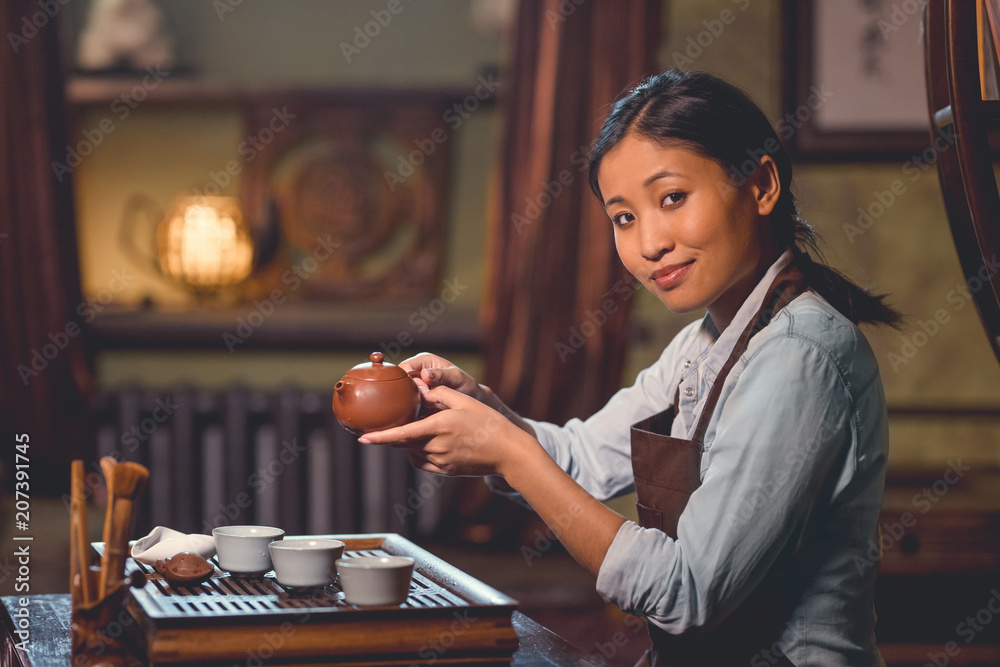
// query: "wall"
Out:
[907,253]
[159,151]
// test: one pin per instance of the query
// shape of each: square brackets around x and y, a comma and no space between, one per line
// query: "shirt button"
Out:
[689,392]
[687,364]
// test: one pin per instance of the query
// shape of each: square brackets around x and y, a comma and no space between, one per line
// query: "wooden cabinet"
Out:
[938,593]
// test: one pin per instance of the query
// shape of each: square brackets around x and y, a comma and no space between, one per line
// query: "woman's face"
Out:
[684,230]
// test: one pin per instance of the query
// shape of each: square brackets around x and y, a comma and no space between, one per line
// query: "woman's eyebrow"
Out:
[655,177]
[662,174]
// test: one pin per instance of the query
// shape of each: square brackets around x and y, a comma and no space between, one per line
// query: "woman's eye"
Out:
[673,199]
[622,219]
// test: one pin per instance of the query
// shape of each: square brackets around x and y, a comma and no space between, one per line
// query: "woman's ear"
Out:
[765,185]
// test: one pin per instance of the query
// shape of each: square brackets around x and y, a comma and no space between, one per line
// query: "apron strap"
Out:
[788,284]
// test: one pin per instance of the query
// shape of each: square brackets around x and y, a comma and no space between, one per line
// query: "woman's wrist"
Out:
[525,454]
[486,396]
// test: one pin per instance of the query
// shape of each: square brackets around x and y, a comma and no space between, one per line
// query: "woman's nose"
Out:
[653,240]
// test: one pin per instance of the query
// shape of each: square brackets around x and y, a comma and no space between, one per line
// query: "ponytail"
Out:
[852,301]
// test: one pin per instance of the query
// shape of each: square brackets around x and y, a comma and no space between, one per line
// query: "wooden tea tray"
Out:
[448,618]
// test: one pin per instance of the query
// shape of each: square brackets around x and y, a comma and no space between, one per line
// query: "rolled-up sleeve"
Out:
[597,452]
[782,437]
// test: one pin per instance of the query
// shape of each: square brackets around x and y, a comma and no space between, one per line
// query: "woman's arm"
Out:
[595,452]
[560,471]
[470,438]
[583,525]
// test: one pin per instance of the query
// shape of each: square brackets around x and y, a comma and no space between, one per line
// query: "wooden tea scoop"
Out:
[79,572]
[108,465]
[129,480]
[75,576]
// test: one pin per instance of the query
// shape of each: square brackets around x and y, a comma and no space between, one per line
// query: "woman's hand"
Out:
[437,371]
[465,437]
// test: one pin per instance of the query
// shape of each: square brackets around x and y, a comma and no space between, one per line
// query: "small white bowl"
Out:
[305,563]
[242,550]
[375,580]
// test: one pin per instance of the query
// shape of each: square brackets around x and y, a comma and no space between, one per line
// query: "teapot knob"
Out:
[376,358]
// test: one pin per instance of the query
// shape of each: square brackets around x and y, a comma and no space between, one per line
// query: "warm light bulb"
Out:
[204,243]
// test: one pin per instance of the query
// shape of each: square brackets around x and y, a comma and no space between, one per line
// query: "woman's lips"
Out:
[670,276]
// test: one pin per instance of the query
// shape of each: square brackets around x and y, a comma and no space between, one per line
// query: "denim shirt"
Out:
[793,469]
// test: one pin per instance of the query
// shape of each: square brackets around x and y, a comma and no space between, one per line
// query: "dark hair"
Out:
[720,121]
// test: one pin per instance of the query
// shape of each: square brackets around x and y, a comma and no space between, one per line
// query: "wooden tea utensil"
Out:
[129,479]
[108,464]
[79,571]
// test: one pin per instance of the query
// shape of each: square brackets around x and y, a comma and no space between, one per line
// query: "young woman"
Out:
[756,444]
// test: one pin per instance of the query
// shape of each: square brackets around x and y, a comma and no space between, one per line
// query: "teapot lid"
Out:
[376,369]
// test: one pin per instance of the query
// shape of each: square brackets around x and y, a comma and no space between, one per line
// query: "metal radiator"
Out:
[247,457]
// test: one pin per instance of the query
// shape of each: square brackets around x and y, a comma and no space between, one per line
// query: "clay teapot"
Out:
[375,396]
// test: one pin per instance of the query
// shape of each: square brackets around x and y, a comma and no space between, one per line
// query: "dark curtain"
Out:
[45,370]
[556,315]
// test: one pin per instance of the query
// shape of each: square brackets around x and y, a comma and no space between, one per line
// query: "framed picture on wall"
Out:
[855,86]
[359,180]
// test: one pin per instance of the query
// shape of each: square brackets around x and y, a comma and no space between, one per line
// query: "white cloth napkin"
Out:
[165,542]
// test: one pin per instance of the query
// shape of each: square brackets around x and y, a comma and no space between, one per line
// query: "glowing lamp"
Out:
[204,243]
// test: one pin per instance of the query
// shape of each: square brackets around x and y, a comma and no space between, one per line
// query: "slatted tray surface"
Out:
[447,616]
[224,596]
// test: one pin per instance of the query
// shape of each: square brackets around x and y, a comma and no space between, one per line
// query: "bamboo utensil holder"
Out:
[98,594]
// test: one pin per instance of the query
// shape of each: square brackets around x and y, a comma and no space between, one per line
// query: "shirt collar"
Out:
[725,342]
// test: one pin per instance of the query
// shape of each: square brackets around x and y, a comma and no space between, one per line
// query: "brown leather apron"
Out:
[667,471]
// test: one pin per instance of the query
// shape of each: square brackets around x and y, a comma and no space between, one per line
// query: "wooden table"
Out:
[49,637]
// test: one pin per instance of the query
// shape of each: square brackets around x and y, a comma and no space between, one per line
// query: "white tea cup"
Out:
[243,550]
[305,563]
[375,580]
